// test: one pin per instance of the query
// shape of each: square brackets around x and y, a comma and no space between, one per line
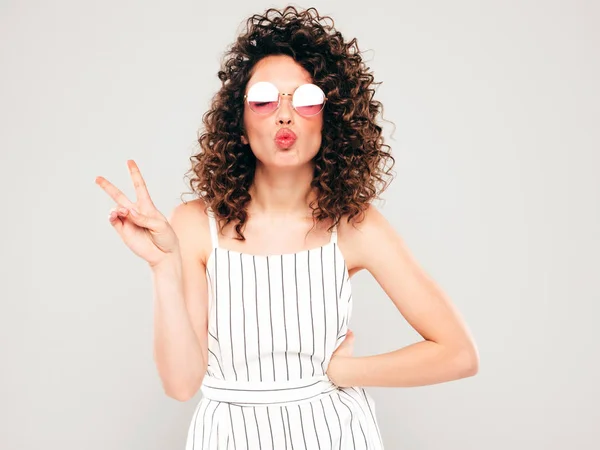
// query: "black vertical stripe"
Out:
[232,428]
[212,422]
[244,317]
[351,419]
[257,429]
[204,420]
[326,423]
[312,322]
[338,416]
[209,279]
[271,318]
[244,422]
[343,278]
[287,368]
[204,423]
[298,311]
[312,412]
[341,326]
[230,325]
[302,426]
[324,315]
[216,295]
[287,414]
[270,429]
[337,308]
[257,326]
[283,427]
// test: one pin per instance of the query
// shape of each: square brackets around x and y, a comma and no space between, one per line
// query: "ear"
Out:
[244,140]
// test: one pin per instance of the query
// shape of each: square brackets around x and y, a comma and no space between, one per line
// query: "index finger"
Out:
[114,192]
[139,184]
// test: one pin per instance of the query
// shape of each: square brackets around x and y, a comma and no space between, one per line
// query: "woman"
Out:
[252,279]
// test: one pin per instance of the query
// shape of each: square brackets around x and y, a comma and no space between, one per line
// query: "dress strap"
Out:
[214,234]
[334,234]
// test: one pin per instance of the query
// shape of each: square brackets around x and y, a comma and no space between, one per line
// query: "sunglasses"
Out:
[264,98]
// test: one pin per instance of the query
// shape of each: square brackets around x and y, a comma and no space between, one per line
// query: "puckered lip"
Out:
[285,134]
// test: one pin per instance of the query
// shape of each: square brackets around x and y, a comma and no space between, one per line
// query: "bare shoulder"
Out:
[190,223]
[360,237]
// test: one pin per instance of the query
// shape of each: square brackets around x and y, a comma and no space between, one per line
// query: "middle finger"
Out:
[138,183]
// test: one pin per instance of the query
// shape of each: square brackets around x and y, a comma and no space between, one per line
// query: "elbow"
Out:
[183,393]
[467,362]
[472,368]
[184,389]
[180,397]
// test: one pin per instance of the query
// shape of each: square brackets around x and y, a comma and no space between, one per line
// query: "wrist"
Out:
[171,263]
[339,370]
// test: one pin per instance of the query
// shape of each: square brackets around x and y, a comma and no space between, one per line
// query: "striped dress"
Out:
[274,322]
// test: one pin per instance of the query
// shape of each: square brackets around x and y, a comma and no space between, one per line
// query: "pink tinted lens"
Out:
[309,110]
[263,107]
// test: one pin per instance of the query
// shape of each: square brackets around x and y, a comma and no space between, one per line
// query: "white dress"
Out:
[274,322]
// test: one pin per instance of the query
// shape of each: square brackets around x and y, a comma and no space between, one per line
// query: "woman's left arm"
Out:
[448,352]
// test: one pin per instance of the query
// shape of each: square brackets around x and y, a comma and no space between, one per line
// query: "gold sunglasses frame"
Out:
[290,95]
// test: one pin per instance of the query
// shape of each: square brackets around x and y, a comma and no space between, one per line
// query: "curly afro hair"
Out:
[350,167]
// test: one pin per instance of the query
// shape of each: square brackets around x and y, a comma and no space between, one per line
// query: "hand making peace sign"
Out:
[140,225]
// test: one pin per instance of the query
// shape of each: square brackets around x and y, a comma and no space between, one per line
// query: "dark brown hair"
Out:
[350,167]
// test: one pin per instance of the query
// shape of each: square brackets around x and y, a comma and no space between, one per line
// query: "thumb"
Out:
[115,221]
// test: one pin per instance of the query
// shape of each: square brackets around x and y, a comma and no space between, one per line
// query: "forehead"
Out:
[282,71]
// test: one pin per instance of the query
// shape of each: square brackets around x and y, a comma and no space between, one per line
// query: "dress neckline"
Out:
[215,242]
[333,243]
[272,255]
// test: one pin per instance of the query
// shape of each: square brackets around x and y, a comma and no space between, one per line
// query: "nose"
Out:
[285,111]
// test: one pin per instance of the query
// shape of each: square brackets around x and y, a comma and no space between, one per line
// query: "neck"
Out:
[282,194]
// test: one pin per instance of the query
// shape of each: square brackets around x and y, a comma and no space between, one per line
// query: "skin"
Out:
[279,218]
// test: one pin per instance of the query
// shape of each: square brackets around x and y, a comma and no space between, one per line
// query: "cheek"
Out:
[316,129]
[246,123]
[253,127]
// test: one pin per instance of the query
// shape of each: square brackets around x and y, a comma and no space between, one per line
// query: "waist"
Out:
[263,393]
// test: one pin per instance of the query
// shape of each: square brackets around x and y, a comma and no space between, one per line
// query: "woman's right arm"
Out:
[180,307]
[173,248]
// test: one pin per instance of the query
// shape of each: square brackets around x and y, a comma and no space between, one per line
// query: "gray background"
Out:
[497,107]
